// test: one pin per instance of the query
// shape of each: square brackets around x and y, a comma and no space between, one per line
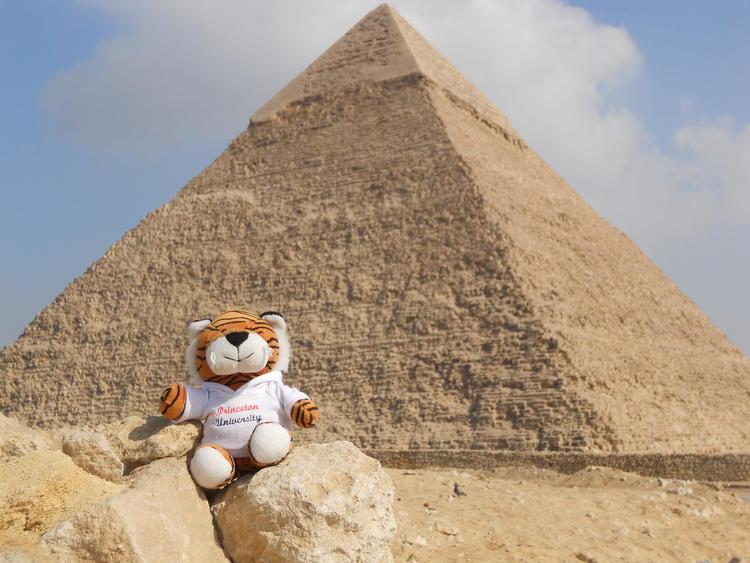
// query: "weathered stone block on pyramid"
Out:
[444,288]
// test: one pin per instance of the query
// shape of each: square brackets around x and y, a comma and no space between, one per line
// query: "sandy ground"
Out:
[39,490]
[597,514]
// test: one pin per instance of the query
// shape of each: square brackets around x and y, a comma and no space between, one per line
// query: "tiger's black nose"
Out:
[236,338]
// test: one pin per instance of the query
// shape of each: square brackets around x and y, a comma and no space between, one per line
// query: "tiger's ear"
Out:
[278,324]
[275,320]
[195,327]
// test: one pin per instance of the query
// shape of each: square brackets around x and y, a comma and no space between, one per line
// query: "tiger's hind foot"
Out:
[269,444]
[212,467]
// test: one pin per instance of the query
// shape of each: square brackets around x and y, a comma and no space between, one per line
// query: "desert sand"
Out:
[598,514]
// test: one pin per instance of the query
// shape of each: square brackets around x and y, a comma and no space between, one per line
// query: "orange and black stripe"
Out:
[304,413]
[173,401]
[235,320]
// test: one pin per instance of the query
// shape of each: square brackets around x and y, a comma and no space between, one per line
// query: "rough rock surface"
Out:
[17,440]
[40,489]
[162,517]
[430,264]
[19,555]
[139,441]
[92,452]
[325,502]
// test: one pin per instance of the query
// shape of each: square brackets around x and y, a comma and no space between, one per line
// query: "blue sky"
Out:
[693,49]
[108,107]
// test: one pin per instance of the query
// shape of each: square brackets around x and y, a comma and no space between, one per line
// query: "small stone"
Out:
[416,540]
[682,490]
[447,530]
[458,491]
[91,452]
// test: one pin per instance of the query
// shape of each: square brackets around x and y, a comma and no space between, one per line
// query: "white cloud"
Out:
[181,71]
[717,160]
[192,70]
[686,104]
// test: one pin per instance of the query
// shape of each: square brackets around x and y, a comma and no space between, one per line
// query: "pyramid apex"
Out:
[381,46]
[373,50]
[380,9]
[384,6]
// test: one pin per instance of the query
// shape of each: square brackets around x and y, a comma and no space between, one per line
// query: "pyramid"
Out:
[445,289]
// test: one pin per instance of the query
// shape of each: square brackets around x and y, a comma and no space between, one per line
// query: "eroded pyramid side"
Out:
[647,357]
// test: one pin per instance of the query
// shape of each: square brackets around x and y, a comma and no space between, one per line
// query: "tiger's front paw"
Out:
[305,414]
[173,400]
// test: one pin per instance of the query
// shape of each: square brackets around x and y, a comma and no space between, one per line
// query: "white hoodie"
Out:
[229,417]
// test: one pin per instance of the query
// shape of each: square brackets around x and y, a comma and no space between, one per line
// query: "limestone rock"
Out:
[91,452]
[325,502]
[18,555]
[162,517]
[41,489]
[26,554]
[17,440]
[142,440]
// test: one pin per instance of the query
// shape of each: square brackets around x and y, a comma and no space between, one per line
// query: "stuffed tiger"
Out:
[236,362]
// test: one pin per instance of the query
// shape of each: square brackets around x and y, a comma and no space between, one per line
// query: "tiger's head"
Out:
[237,346]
